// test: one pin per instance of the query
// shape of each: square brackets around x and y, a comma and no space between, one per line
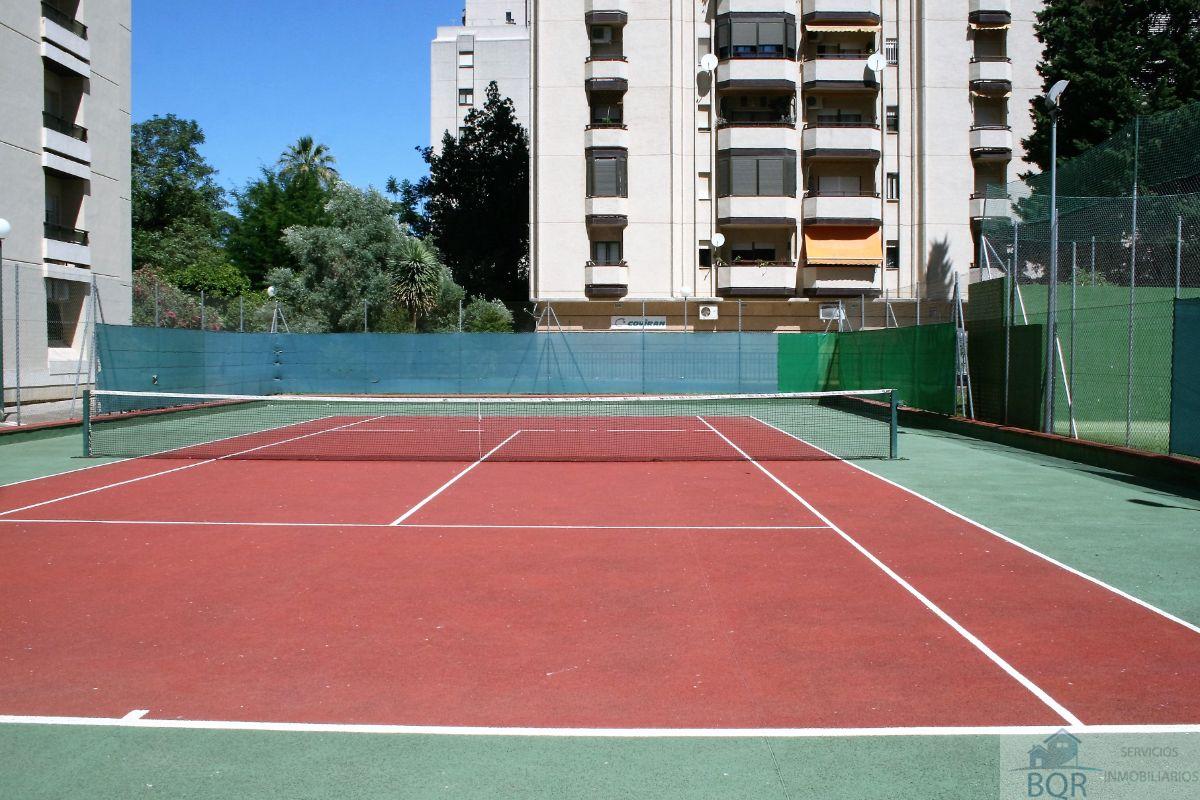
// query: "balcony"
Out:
[758,211]
[989,13]
[65,32]
[606,280]
[983,206]
[606,74]
[757,134]
[760,279]
[842,141]
[830,281]
[842,209]
[991,143]
[756,6]
[68,245]
[606,207]
[841,12]
[843,72]
[606,134]
[991,76]
[65,137]
[606,12]
[757,74]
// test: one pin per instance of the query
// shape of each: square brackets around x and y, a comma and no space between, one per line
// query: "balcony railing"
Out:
[594,126]
[64,20]
[756,122]
[56,123]
[61,233]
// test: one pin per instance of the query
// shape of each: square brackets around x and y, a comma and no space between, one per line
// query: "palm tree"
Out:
[416,277]
[306,157]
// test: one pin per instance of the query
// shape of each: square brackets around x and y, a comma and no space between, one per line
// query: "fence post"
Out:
[203,319]
[1071,369]
[460,316]
[157,320]
[17,333]
[739,319]
[1178,255]
[862,311]
[365,328]
[1132,302]
[241,314]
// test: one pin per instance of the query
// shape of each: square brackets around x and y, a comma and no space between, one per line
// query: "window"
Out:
[891,254]
[63,303]
[704,186]
[752,251]
[893,186]
[761,174]
[891,49]
[837,185]
[756,36]
[508,18]
[704,255]
[607,173]
[703,118]
[52,206]
[703,46]
[607,253]
[466,59]
[466,97]
[607,113]
[893,119]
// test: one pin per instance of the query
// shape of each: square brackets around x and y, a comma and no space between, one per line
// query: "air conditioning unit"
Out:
[601,34]
[813,102]
[708,312]
[831,312]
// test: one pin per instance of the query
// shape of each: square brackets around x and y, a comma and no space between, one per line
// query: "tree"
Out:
[266,208]
[306,157]
[416,277]
[406,205]
[352,257]
[178,208]
[1124,58]
[487,316]
[477,201]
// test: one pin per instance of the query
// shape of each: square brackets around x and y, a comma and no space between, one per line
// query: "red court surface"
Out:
[724,594]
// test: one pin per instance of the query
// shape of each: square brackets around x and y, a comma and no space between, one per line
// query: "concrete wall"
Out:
[91,180]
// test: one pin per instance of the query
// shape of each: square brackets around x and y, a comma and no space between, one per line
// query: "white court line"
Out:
[137,713]
[191,465]
[606,733]
[1078,573]
[416,525]
[1012,671]
[452,481]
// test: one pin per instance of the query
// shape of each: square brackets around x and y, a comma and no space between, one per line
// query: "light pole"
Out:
[5,229]
[1051,99]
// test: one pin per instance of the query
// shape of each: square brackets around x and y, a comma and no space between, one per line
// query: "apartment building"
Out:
[64,183]
[787,154]
[492,44]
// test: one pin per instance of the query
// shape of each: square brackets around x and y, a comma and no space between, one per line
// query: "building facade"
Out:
[64,184]
[787,154]
[492,44]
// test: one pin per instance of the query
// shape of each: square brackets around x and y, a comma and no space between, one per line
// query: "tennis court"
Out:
[650,566]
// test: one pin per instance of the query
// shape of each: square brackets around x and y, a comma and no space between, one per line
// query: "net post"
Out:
[87,422]
[894,426]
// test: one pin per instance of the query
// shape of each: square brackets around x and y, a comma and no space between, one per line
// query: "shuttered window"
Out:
[606,174]
[770,174]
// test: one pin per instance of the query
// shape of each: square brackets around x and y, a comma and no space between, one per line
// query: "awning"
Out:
[843,246]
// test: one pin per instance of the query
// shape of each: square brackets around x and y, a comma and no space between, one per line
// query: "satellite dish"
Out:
[685,292]
[5,228]
[876,62]
[708,62]
[1055,93]
[718,239]
[270,291]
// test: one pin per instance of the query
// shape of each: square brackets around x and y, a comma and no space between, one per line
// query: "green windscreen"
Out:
[1185,380]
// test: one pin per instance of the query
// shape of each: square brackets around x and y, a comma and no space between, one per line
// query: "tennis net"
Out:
[768,427]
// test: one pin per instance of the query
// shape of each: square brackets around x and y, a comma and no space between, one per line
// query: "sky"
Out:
[258,74]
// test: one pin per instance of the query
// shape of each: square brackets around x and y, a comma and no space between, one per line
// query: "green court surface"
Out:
[1141,537]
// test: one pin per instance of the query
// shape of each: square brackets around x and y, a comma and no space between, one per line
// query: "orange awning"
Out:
[838,246]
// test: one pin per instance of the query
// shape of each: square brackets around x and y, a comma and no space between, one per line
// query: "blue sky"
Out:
[257,74]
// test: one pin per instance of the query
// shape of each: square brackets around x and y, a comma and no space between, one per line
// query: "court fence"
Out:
[1072,331]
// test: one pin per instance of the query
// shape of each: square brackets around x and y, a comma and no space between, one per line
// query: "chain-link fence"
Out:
[1128,246]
